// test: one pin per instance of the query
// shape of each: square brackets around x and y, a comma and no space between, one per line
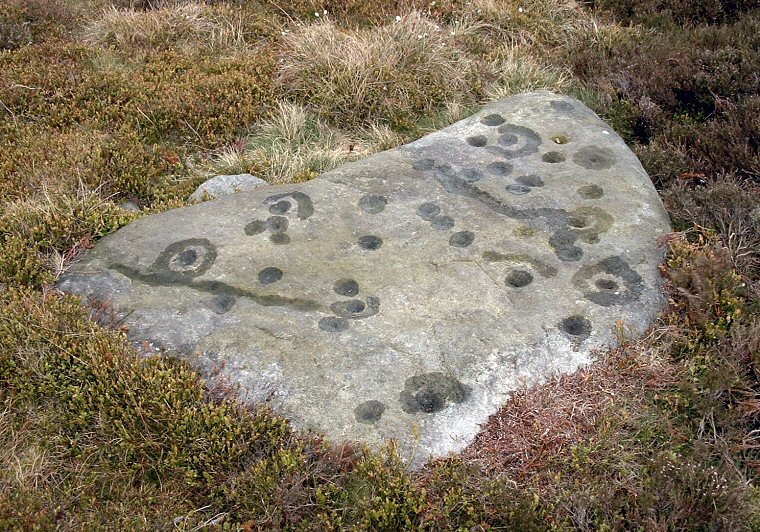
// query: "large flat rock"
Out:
[404,295]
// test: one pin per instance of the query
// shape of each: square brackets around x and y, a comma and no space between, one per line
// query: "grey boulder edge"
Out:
[405,295]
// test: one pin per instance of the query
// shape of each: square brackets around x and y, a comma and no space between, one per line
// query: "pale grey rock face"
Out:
[404,295]
[130,206]
[224,185]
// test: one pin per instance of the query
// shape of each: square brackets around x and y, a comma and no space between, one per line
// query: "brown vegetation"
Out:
[103,101]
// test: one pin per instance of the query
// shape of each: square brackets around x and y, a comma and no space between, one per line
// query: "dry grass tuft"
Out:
[516,69]
[379,137]
[289,146]
[184,26]
[390,72]
[539,24]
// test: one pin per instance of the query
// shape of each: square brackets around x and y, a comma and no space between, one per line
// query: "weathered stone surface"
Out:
[224,185]
[130,206]
[404,295]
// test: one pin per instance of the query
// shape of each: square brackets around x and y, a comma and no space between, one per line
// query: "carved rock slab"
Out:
[404,295]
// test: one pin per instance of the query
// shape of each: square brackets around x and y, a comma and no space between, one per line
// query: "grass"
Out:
[182,25]
[404,68]
[289,146]
[105,101]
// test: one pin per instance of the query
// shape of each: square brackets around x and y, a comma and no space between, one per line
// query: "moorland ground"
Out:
[104,102]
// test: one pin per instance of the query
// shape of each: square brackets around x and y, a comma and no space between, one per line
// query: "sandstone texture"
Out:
[404,295]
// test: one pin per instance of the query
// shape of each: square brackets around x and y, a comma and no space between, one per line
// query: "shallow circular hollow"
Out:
[370,242]
[373,204]
[442,223]
[430,400]
[606,284]
[461,239]
[499,168]
[428,211]
[595,157]
[519,278]
[270,275]
[355,306]
[470,175]
[281,207]
[255,227]
[531,180]
[333,324]
[279,239]
[369,412]
[492,120]
[560,139]
[346,287]
[477,141]
[519,190]
[560,105]
[553,157]
[590,192]
[508,139]
[222,303]
[579,222]
[569,254]
[187,257]
[277,224]
[424,164]
[576,325]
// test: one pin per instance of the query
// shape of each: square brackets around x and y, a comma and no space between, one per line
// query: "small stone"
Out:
[130,206]
[223,185]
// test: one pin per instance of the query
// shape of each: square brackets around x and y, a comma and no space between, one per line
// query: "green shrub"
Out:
[168,96]
[14,31]
[40,238]
[726,144]
[711,295]
[23,22]
[381,494]
[154,414]
[116,164]
[461,496]
[682,74]
[123,127]
[687,99]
